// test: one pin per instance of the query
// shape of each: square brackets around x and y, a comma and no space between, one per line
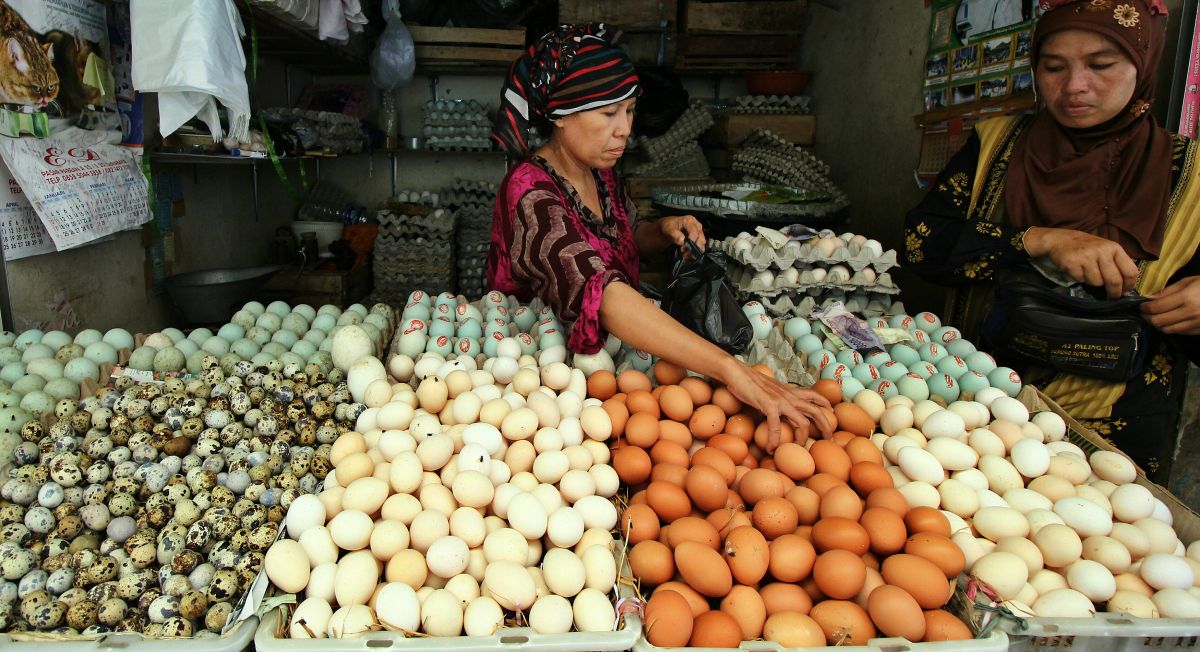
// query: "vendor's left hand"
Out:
[680,227]
[1176,310]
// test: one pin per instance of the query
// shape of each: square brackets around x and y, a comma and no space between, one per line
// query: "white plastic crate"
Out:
[240,638]
[508,638]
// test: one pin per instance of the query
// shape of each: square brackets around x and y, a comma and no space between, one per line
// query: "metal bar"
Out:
[254,180]
[395,171]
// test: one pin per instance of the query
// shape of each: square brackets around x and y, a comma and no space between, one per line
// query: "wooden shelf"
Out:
[465,50]
[1016,103]
[217,159]
[294,44]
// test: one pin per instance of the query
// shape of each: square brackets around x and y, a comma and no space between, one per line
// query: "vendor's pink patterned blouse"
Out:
[547,243]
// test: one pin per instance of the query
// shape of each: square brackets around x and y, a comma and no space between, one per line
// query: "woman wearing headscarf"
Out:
[565,230]
[1090,185]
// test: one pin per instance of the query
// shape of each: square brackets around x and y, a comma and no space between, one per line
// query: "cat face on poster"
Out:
[27,72]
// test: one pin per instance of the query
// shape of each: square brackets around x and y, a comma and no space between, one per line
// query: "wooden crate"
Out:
[460,46]
[624,14]
[316,287]
[707,53]
[730,130]
[654,49]
[747,16]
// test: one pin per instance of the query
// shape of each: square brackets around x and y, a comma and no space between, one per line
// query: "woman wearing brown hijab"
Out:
[1092,185]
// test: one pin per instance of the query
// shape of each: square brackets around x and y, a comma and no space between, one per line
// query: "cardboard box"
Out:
[749,16]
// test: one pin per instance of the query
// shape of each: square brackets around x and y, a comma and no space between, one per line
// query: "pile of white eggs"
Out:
[272,336]
[466,495]
[1054,531]
[934,362]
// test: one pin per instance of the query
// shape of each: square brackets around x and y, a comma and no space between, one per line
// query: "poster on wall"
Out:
[81,187]
[54,65]
[23,233]
[976,19]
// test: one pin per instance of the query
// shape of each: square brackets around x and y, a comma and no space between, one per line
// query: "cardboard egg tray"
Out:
[770,104]
[868,305]
[763,255]
[776,352]
[742,279]
[686,129]
[690,197]
[687,160]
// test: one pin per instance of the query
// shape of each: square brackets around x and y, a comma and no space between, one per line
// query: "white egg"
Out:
[350,621]
[1166,571]
[398,608]
[482,617]
[310,619]
[1064,603]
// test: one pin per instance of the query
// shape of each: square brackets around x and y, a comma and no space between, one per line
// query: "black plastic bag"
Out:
[698,298]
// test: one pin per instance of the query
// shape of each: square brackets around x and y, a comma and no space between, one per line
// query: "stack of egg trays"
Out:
[414,250]
[763,256]
[742,279]
[866,304]
[687,129]
[687,161]
[768,158]
[472,203]
[770,104]
[779,355]
[456,125]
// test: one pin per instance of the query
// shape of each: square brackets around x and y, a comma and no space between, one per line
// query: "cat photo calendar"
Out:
[81,187]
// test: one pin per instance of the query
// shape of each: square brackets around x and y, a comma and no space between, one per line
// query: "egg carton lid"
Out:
[698,197]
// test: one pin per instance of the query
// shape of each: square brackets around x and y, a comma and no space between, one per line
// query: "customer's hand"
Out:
[679,228]
[1087,258]
[801,407]
[1176,310]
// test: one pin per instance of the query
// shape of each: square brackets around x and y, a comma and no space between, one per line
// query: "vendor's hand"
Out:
[679,228]
[801,407]
[1087,258]
[1176,310]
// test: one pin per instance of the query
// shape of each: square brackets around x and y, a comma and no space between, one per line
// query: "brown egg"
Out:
[602,384]
[809,584]
[747,608]
[642,429]
[821,483]
[706,422]
[668,500]
[794,461]
[870,560]
[675,432]
[943,552]
[727,520]
[667,472]
[831,390]
[841,501]
[896,613]
[807,504]
[668,374]
[866,477]
[836,533]
[740,426]
[703,568]
[706,487]
[676,403]
[760,483]
[805,531]
[775,517]
[747,554]
[839,574]
[844,623]
[632,379]
[926,519]
[715,629]
[693,528]
[785,596]
[829,458]
[924,581]
[657,391]
[842,437]
[696,602]
[860,449]
[943,626]
[885,529]
[714,458]
[632,464]
[639,523]
[700,390]
[642,401]
[668,619]
[762,435]
[726,401]
[638,498]
[734,501]
[668,452]
[732,446]
[652,562]
[793,630]
[751,460]
[618,414]
[889,499]
[852,418]
[792,558]
[874,581]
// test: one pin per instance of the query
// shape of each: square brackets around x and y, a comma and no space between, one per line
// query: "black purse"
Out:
[1067,328]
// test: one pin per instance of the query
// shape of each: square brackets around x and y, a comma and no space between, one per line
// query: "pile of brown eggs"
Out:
[810,545]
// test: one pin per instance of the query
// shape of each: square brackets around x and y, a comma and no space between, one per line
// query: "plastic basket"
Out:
[239,638]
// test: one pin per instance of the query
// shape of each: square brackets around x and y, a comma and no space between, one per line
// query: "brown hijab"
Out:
[1112,180]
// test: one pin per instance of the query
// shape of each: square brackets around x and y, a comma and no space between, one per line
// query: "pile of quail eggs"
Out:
[148,507]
